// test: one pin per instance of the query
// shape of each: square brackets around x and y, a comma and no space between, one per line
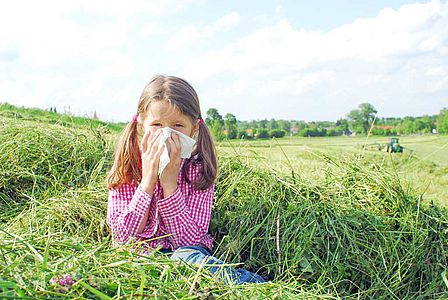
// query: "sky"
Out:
[294,60]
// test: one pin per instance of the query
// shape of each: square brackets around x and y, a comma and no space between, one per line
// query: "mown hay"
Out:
[359,232]
[38,161]
[79,213]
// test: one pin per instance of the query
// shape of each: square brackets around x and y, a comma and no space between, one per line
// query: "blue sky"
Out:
[302,60]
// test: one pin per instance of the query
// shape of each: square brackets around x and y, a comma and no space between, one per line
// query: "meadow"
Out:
[322,218]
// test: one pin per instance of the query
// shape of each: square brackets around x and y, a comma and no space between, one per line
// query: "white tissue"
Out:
[186,144]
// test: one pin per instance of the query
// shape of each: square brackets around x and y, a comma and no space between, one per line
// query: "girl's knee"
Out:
[191,254]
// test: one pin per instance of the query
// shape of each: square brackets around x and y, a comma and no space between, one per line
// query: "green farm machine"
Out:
[394,146]
[391,147]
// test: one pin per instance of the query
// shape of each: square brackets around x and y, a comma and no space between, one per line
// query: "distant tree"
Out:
[342,126]
[312,132]
[336,131]
[253,124]
[411,125]
[361,119]
[262,123]
[442,121]
[215,122]
[242,125]
[272,124]
[407,125]
[262,133]
[213,116]
[230,126]
[284,125]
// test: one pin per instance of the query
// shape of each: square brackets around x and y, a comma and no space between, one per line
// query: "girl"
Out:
[171,210]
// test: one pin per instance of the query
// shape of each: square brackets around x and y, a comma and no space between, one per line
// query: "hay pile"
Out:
[38,161]
[358,232]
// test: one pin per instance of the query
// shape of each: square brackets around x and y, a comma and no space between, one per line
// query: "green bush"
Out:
[262,134]
[278,133]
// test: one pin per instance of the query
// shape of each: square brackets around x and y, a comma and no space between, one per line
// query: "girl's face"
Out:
[164,114]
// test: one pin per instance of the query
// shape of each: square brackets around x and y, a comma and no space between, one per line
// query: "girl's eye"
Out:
[179,125]
[156,124]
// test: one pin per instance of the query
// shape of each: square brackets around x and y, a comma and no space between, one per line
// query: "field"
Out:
[322,218]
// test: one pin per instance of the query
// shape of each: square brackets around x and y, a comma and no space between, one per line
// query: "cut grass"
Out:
[357,230]
[39,161]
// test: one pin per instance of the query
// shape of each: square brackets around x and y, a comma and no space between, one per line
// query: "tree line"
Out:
[362,120]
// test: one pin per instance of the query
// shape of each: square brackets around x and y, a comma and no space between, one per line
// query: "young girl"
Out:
[175,205]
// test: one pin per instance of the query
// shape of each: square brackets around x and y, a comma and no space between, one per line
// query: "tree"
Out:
[215,122]
[285,125]
[213,116]
[272,124]
[230,126]
[361,119]
[442,121]
[343,126]
[407,125]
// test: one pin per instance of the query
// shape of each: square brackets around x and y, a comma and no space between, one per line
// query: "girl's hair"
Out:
[127,163]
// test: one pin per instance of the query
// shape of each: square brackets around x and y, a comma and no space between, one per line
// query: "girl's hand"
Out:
[150,160]
[168,178]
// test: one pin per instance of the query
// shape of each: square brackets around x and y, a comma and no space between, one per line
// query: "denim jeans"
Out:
[198,255]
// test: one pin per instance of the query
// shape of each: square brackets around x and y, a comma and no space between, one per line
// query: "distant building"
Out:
[294,130]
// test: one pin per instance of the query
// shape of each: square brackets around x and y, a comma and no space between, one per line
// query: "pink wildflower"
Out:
[64,280]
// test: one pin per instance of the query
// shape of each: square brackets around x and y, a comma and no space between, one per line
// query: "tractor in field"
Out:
[394,146]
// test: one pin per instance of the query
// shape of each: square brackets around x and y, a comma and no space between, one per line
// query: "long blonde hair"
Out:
[127,163]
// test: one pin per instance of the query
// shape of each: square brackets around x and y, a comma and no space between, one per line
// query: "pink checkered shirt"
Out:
[184,215]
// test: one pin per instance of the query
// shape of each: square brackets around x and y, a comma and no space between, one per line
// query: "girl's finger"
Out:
[153,140]
[174,148]
[157,154]
[144,143]
[147,139]
[176,140]
[154,144]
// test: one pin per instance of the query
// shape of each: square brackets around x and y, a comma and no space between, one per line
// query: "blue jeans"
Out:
[198,255]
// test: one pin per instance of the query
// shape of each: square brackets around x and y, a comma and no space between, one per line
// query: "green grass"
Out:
[357,231]
[322,218]
[38,161]
[44,116]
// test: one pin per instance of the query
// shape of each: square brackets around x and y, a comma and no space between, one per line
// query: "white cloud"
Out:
[61,51]
[94,53]
[382,58]
[190,34]
[411,29]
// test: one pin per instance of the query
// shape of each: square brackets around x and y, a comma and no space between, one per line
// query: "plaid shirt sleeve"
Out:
[125,211]
[187,221]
